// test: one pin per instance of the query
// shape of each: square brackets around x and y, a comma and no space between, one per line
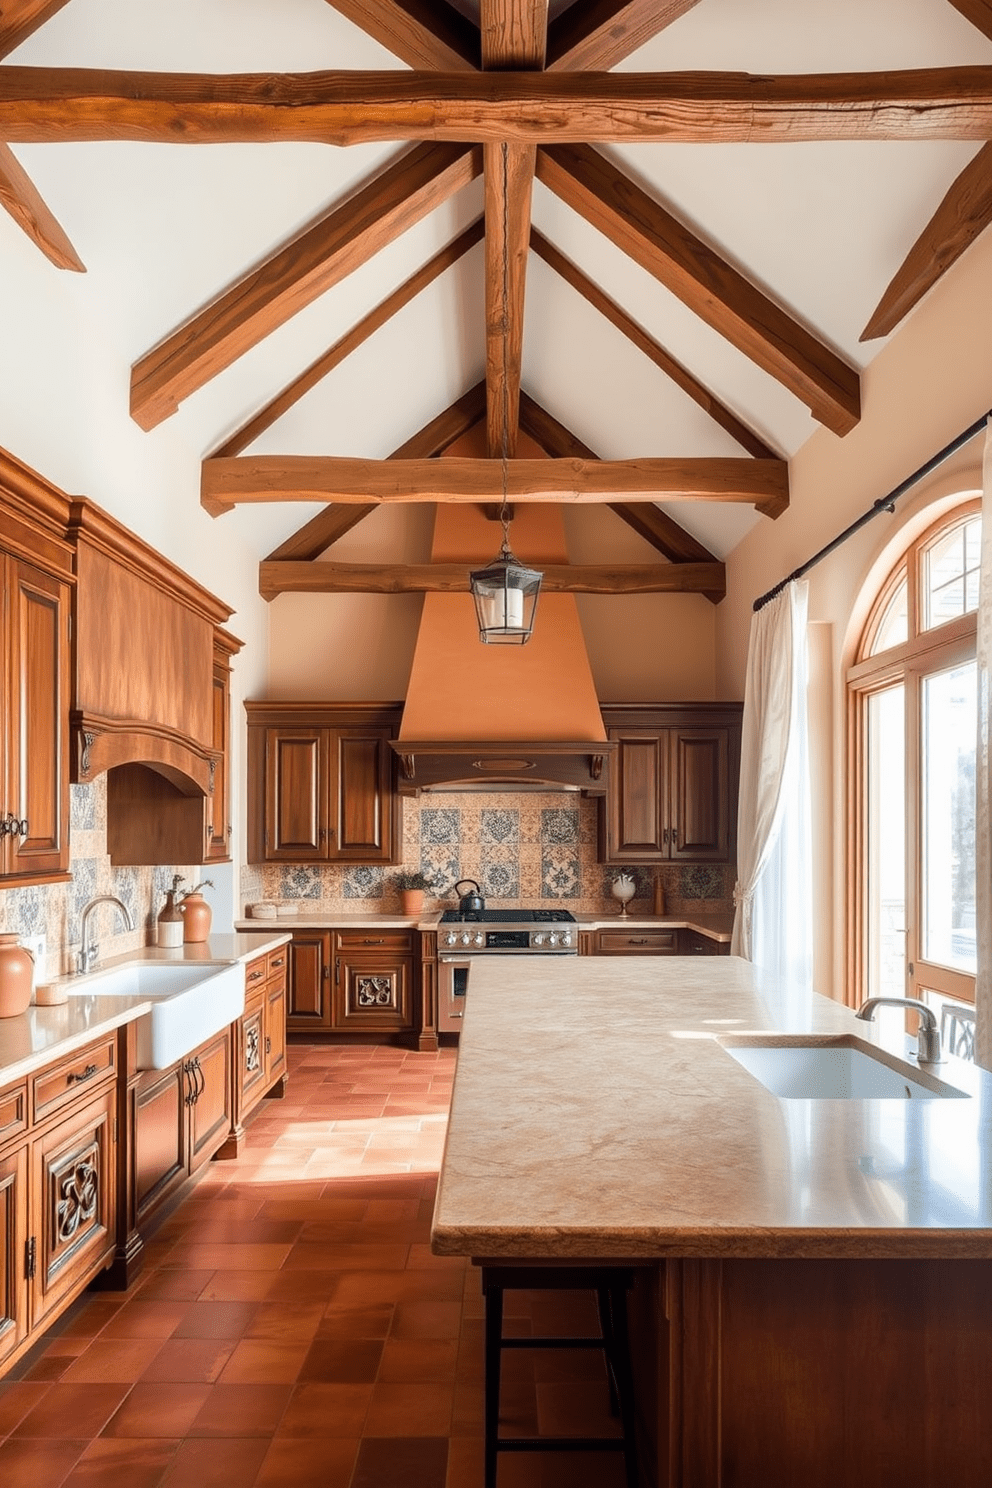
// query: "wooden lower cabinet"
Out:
[183,1115]
[260,1043]
[676,941]
[58,1191]
[352,981]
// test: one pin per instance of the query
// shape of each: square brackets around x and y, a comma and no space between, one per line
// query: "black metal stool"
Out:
[611,1285]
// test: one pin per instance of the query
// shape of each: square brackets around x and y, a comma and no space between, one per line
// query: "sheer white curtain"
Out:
[773,923]
[983,782]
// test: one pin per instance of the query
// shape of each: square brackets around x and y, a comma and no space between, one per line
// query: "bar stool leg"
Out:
[494,1335]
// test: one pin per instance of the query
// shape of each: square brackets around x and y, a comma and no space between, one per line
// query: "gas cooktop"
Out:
[508,917]
[522,932]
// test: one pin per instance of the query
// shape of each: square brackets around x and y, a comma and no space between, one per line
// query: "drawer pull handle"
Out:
[277,963]
[87,1074]
[642,941]
[369,941]
[253,976]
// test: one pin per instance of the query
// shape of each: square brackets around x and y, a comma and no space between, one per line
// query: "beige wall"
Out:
[932,381]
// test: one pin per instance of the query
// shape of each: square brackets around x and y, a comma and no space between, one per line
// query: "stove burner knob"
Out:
[566,937]
[538,939]
[466,938]
[451,938]
[552,939]
[477,939]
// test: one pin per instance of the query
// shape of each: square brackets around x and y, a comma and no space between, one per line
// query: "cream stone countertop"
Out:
[717,926]
[596,1114]
[42,1034]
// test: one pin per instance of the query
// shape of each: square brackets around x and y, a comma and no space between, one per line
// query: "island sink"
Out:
[189,1003]
[834,1067]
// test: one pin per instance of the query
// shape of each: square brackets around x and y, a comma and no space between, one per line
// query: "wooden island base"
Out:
[814,1373]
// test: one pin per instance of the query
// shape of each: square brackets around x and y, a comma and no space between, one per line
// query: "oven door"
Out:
[452,984]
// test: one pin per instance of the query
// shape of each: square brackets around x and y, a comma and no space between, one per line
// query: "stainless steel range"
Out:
[508,932]
[493,932]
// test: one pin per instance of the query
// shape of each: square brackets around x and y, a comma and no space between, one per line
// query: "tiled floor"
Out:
[292,1328]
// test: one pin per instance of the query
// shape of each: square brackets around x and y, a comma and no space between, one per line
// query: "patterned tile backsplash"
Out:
[54,910]
[524,849]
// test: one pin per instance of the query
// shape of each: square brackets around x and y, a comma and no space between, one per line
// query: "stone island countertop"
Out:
[35,1038]
[717,926]
[595,1113]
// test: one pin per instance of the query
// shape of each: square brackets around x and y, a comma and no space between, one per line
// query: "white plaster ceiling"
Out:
[163,229]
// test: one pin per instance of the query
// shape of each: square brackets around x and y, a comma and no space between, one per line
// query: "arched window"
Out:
[912,695]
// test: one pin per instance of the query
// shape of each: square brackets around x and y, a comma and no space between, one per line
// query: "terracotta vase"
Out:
[16,969]
[197,915]
[412,901]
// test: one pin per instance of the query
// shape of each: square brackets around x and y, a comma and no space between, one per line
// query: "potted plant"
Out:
[411,886]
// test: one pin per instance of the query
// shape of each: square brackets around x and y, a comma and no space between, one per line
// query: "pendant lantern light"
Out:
[506,592]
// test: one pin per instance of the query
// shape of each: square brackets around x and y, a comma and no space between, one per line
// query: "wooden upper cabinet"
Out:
[674,783]
[218,827]
[320,783]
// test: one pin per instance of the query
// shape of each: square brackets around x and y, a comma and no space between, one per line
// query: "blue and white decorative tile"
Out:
[125,885]
[299,883]
[439,825]
[82,808]
[81,890]
[702,881]
[363,883]
[441,864]
[500,874]
[24,911]
[559,827]
[500,827]
[560,875]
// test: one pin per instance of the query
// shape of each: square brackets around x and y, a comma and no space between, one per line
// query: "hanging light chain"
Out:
[505,441]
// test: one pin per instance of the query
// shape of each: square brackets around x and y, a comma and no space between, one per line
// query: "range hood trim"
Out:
[576,764]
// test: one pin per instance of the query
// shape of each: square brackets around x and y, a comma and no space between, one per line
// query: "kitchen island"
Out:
[813,1302]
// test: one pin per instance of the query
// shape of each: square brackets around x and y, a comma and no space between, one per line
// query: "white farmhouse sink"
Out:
[190,1004]
[834,1067]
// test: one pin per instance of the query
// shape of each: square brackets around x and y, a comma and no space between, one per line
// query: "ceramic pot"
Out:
[197,915]
[412,901]
[16,969]
[169,925]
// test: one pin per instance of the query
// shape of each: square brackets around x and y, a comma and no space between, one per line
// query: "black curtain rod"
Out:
[884,504]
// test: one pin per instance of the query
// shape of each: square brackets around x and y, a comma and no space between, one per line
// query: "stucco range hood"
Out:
[549,764]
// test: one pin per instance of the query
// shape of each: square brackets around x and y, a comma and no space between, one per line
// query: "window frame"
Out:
[922,654]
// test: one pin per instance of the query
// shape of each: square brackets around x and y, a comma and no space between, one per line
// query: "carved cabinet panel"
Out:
[373,991]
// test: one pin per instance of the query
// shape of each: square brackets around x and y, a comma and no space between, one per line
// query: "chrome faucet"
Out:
[86,956]
[927,1035]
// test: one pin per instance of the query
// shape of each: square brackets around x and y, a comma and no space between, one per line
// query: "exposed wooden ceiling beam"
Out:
[21,198]
[421,32]
[264,478]
[693,270]
[315,536]
[298,273]
[648,520]
[453,578]
[514,36]
[18,18]
[666,363]
[597,34]
[352,339]
[56,105]
[965,212]
[978,12]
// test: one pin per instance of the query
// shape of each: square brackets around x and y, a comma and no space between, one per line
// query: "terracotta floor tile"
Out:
[113,1359]
[238,1286]
[326,1410]
[190,1360]
[325,1210]
[173,1285]
[146,1317]
[410,1410]
[356,1322]
[27,1463]
[348,1362]
[576,1408]
[303,1286]
[286,1322]
[429,1360]
[88,1317]
[216,1320]
[308,1462]
[108,1463]
[421,1257]
[48,1369]
[466,1461]
[365,1288]
[402,1463]
[230,1257]
[260,1361]
[225,1230]
[349,1257]
[17,1397]
[241,1410]
[86,1409]
[211,1463]
[152,1410]
[429,1319]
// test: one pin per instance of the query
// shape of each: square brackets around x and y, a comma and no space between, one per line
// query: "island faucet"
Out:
[928,1034]
[86,956]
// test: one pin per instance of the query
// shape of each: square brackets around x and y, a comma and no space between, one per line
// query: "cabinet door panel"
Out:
[13,1235]
[309,1003]
[700,774]
[38,767]
[159,1137]
[373,992]
[210,1106]
[295,805]
[252,1047]
[217,806]
[362,795]
[637,806]
[76,1204]
[275,1031]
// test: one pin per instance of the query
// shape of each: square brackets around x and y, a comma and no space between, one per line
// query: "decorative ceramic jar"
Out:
[623,888]
[16,971]
[169,925]
[197,914]
[412,901]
